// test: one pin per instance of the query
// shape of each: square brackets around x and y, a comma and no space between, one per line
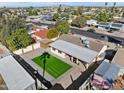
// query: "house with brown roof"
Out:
[40,35]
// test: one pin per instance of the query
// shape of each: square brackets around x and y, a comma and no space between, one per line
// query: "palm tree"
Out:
[106,3]
[114,4]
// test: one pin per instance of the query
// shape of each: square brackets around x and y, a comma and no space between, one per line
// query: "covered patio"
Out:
[76,53]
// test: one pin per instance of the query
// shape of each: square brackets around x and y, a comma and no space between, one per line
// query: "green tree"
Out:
[78,11]
[52,33]
[104,17]
[32,11]
[9,25]
[75,12]
[63,26]
[79,22]
[18,39]
[55,16]
[65,15]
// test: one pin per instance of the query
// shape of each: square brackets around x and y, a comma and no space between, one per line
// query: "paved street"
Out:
[90,34]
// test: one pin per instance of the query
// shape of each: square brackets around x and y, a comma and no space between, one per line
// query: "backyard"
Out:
[53,65]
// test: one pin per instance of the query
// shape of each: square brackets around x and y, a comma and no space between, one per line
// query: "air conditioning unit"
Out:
[85,41]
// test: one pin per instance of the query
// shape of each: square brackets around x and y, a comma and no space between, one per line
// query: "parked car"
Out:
[91,30]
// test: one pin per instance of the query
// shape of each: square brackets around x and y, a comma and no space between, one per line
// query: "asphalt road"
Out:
[112,39]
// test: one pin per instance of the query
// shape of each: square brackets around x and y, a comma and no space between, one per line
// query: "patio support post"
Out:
[77,61]
[71,59]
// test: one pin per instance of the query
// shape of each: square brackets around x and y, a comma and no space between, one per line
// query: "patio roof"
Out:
[15,77]
[84,54]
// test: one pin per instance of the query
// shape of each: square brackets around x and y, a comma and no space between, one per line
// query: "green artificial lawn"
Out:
[53,65]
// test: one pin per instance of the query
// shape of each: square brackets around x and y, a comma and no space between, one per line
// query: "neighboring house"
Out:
[109,75]
[33,28]
[14,76]
[40,35]
[92,22]
[38,28]
[104,77]
[113,26]
[33,19]
[104,25]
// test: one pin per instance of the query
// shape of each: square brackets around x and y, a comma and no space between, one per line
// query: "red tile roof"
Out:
[41,33]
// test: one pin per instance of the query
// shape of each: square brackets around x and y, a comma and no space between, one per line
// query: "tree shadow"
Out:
[43,59]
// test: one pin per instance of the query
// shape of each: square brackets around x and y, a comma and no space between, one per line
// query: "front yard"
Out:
[53,65]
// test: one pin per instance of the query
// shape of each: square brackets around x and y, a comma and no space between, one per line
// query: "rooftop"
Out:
[15,77]
[108,71]
[41,33]
[95,45]
[119,57]
[82,53]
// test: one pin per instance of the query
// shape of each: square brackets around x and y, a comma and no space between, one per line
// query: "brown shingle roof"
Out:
[94,45]
[119,57]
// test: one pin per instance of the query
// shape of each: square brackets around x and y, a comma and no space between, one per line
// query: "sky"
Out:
[43,4]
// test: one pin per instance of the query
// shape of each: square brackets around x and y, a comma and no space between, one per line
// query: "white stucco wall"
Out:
[57,53]
[36,45]
[28,48]
[18,51]
[102,50]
